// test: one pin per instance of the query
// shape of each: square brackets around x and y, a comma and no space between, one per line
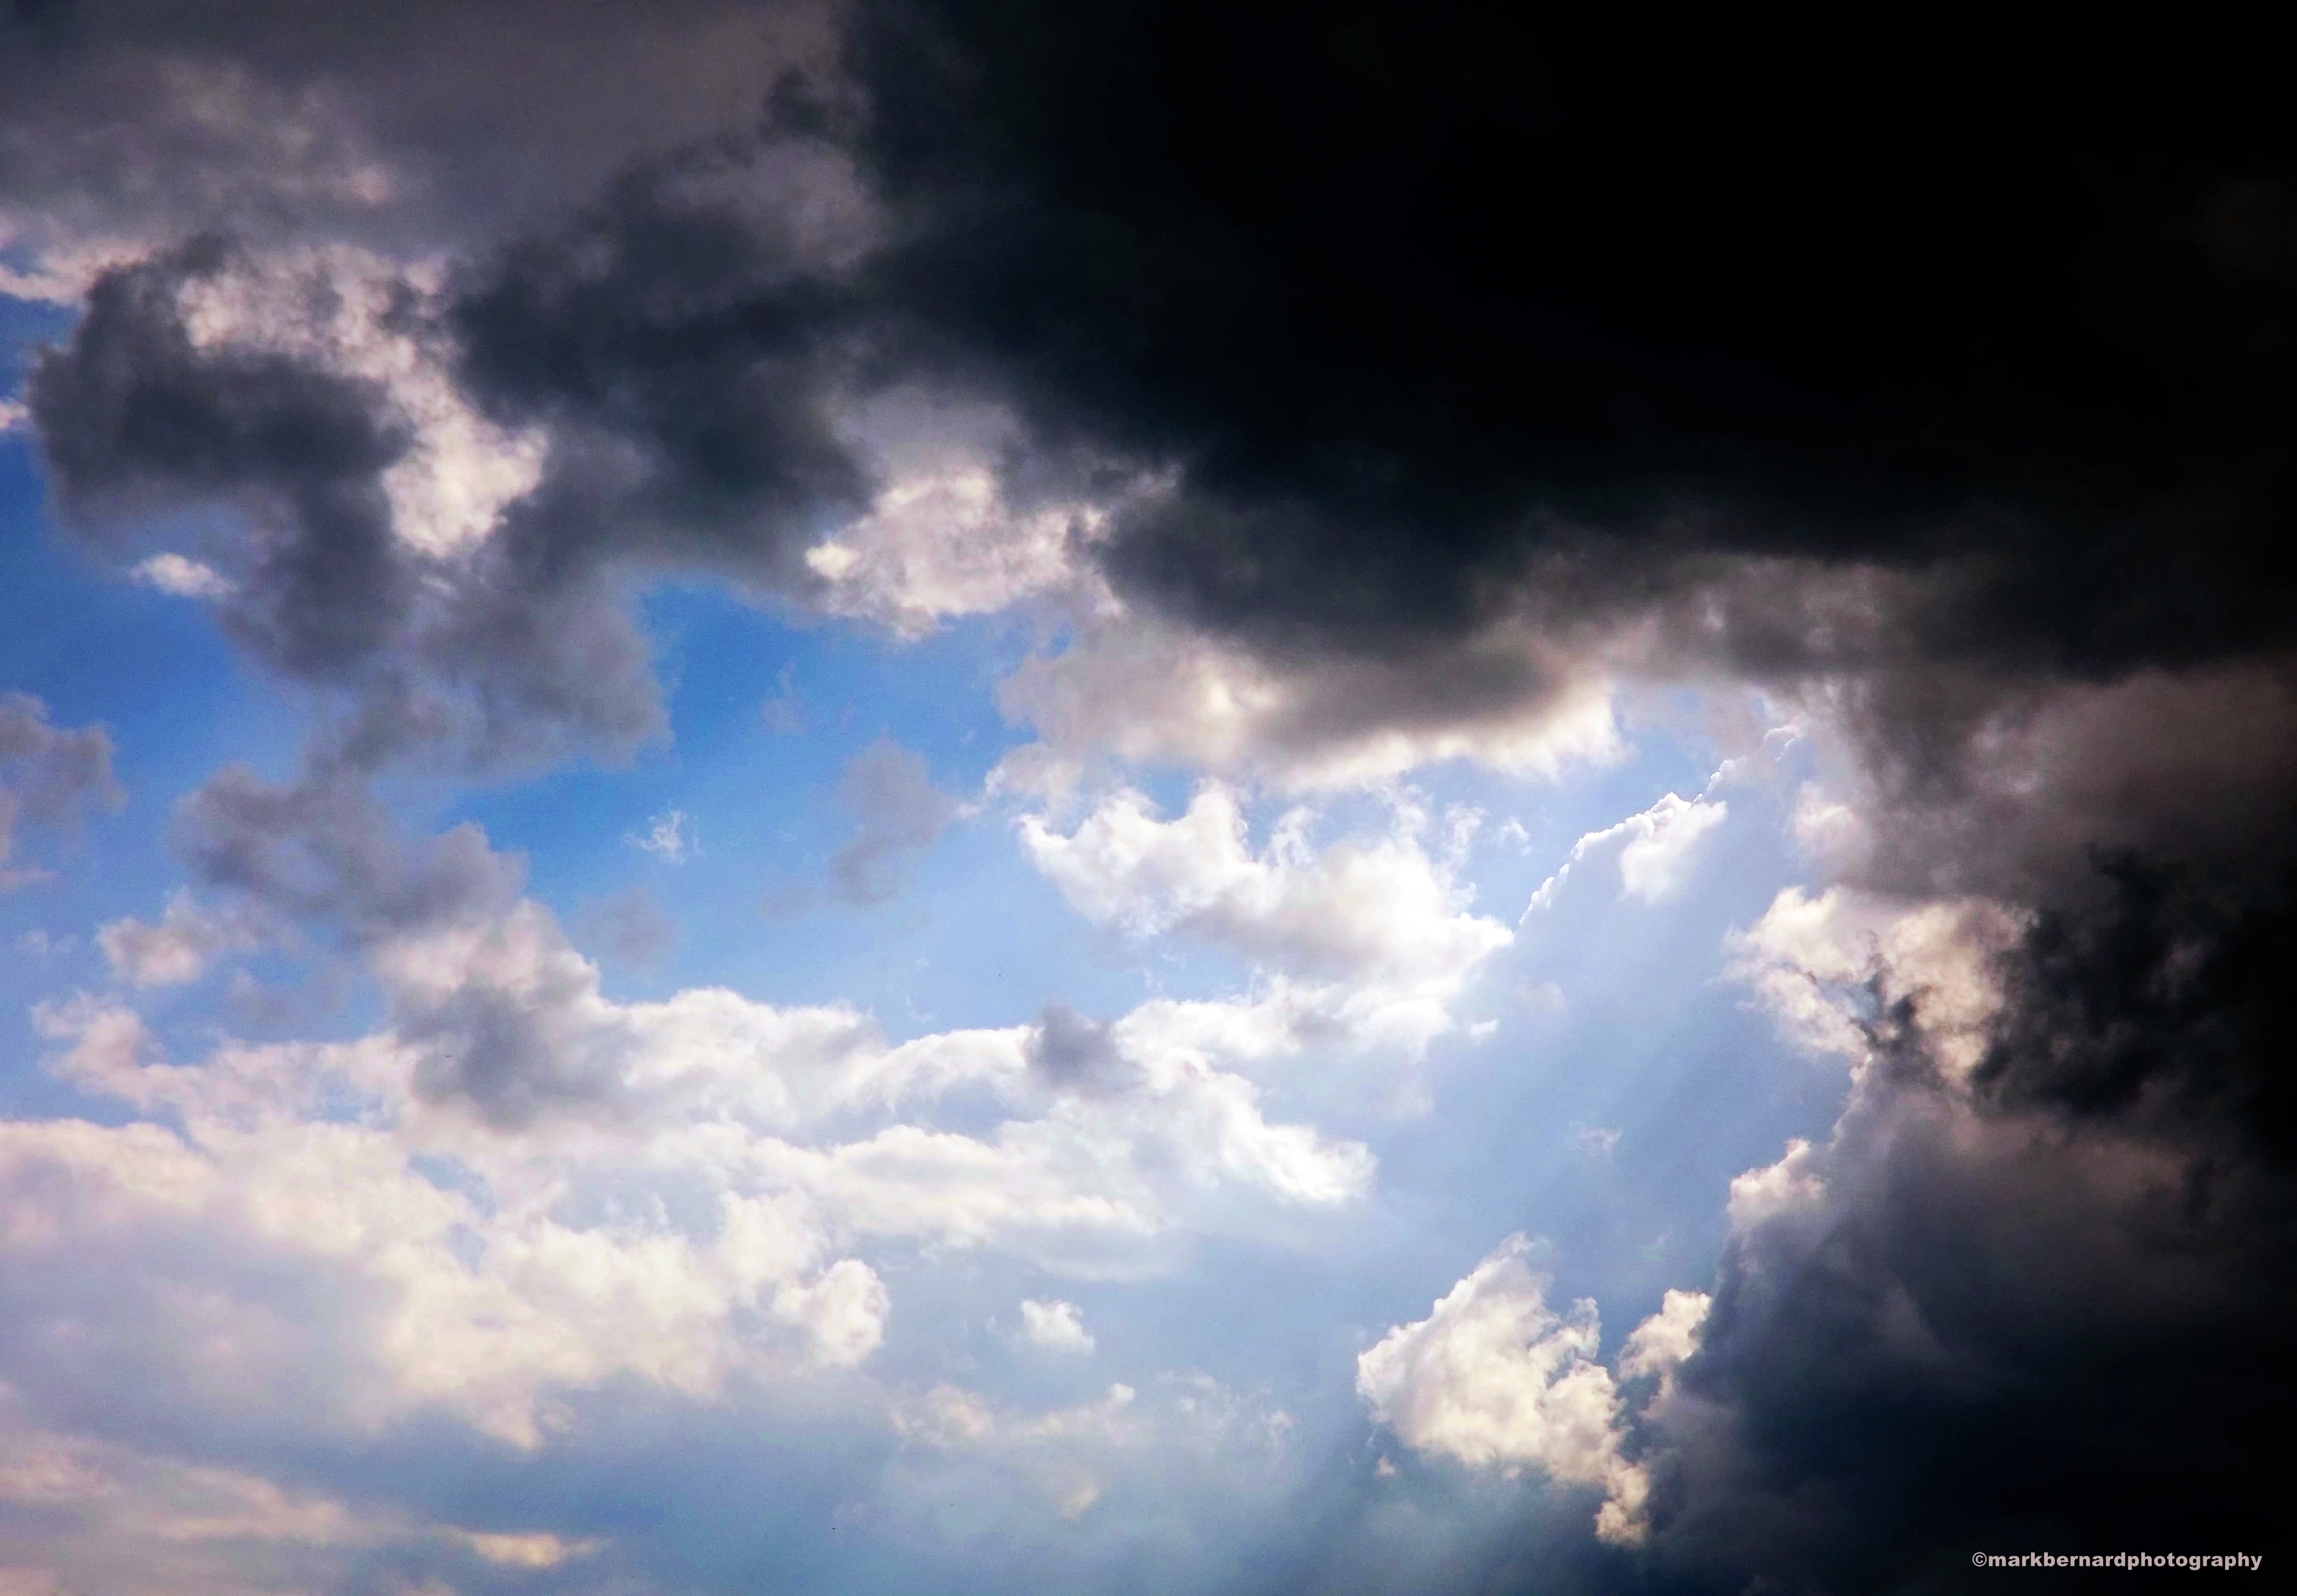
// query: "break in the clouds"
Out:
[1211,548]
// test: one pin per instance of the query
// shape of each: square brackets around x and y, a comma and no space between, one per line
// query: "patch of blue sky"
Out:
[157,674]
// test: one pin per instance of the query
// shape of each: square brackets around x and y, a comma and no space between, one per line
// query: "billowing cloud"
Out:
[1493,1377]
[2064,1154]
[1655,849]
[1378,913]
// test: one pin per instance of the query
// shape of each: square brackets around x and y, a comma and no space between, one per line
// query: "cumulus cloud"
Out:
[182,578]
[50,777]
[518,1190]
[1363,908]
[1493,1377]
[946,545]
[629,927]
[1825,967]
[1378,913]
[1055,1326]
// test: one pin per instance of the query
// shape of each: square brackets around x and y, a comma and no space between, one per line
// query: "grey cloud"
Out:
[133,416]
[512,1053]
[323,849]
[897,814]
[426,126]
[629,927]
[1075,1054]
[497,1022]
[50,777]
[478,660]
[2053,1311]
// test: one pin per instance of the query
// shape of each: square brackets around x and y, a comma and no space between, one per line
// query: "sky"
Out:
[902,794]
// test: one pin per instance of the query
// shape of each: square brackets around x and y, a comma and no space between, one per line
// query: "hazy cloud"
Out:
[897,814]
[50,777]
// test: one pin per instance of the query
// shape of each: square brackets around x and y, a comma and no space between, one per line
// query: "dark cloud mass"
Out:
[2059,1320]
[1944,381]
[1416,292]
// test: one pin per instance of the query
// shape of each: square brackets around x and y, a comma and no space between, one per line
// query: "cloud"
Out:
[518,1190]
[173,575]
[1376,915]
[2062,1167]
[49,777]
[176,951]
[784,715]
[1364,908]
[629,927]
[278,119]
[667,838]
[1134,686]
[946,545]
[1493,1378]
[1054,1326]
[1969,447]
[897,814]
[1655,849]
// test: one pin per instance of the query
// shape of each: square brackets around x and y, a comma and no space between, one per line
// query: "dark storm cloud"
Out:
[133,416]
[1413,294]
[686,354]
[2055,1317]
[1947,379]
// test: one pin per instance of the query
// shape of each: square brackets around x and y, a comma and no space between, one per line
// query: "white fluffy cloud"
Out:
[182,578]
[1054,1325]
[1494,1377]
[1656,849]
[1380,913]
[946,544]
[521,1187]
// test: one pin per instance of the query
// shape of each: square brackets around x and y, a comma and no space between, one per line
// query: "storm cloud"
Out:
[1371,386]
